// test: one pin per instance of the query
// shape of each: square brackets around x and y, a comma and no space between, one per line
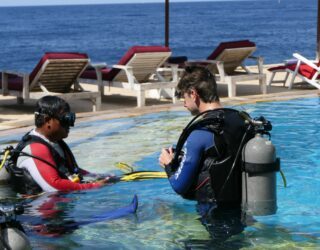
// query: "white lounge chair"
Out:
[227,63]
[134,72]
[279,69]
[55,74]
[301,67]
[307,70]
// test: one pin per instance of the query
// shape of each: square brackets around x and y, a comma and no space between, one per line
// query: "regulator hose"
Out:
[6,154]
[283,178]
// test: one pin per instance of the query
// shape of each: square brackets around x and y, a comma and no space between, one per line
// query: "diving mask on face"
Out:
[67,119]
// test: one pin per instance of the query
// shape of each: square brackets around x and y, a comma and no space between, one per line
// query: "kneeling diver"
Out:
[42,161]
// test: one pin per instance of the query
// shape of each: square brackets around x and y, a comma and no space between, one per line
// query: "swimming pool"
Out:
[164,220]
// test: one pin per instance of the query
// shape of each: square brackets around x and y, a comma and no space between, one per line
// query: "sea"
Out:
[105,32]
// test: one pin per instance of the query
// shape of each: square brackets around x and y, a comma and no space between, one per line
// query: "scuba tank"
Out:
[12,235]
[260,164]
[13,238]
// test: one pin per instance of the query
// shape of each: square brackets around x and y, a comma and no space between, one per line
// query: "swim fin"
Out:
[143,175]
[131,175]
[114,214]
[54,230]
[124,167]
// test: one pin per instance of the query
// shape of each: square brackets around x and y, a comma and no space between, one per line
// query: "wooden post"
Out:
[166,42]
[318,32]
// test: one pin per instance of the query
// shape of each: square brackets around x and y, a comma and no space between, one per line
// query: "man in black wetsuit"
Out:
[191,169]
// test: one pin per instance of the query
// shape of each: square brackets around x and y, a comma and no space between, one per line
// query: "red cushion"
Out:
[130,53]
[14,82]
[55,55]
[230,45]
[304,70]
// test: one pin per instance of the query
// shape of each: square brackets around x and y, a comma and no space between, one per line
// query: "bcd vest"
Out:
[219,171]
[22,181]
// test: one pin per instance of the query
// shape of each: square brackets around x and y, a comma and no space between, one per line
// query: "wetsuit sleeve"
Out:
[45,175]
[186,173]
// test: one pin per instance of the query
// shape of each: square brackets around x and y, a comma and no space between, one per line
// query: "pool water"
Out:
[164,220]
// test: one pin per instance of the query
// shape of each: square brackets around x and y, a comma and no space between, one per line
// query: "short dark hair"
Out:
[51,106]
[200,79]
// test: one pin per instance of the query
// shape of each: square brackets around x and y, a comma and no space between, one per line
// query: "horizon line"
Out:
[117,2]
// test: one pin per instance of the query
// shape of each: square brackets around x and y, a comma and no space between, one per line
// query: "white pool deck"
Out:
[117,103]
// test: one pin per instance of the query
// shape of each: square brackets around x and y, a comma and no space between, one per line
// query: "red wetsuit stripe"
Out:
[50,174]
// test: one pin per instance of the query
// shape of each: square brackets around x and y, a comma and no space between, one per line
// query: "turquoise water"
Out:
[164,220]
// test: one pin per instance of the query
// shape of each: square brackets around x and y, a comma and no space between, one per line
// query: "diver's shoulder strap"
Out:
[232,129]
[73,165]
[214,120]
[29,139]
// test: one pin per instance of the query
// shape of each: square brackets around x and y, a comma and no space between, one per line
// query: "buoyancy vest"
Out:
[219,171]
[22,181]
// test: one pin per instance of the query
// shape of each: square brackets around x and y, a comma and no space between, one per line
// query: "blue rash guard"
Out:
[186,174]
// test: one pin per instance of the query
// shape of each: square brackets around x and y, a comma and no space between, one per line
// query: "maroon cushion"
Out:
[55,55]
[135,49]
[90,73]
[282,67]
[14,82]
[305,70]
[108,74]
[230,45]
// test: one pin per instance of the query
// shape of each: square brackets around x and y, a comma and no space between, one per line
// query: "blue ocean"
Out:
[105,32]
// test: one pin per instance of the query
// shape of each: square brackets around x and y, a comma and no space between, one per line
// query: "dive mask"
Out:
[67,119]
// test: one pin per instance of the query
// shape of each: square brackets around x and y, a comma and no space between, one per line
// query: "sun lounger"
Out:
[307,70]
[136,71]
[227,63]
[55,74]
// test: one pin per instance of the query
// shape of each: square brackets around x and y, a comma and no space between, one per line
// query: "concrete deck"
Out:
[121,103]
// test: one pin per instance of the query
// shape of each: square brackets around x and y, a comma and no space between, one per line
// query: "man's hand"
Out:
[109,179]
[166,156]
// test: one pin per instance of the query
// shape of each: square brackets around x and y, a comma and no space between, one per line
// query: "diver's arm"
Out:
[45,175]
[182,177]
